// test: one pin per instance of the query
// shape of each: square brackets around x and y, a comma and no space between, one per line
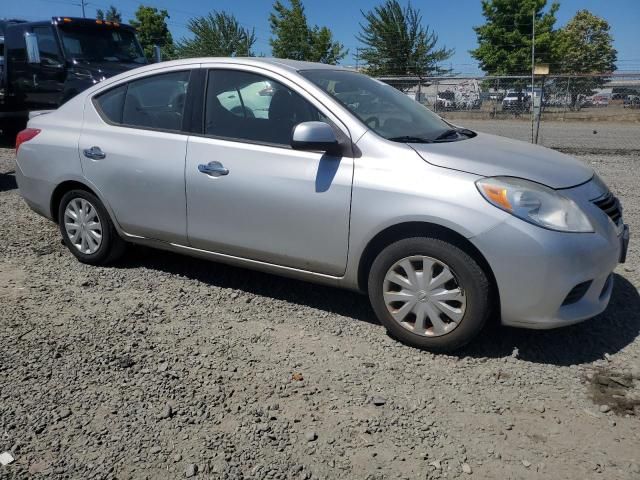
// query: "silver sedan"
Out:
[326,175]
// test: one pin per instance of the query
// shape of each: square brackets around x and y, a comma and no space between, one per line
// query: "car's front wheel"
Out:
[429,293]
[87,230]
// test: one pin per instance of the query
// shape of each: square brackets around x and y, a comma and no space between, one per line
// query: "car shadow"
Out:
[328,299]
[586,342]
[8,181]
[6,141]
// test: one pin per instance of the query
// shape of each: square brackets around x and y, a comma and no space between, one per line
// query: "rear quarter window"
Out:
[110,104]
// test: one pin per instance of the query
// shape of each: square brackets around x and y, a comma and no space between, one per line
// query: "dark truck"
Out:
[44,64]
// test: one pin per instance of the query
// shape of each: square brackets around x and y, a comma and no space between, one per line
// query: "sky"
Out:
[453,21]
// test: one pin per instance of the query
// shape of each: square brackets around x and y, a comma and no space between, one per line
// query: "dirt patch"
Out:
[619,391]
[12,282]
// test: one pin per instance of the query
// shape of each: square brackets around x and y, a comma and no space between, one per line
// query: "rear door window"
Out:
[156,102]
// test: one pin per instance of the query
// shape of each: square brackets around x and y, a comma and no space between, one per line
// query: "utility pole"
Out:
[83,3]
[533,66]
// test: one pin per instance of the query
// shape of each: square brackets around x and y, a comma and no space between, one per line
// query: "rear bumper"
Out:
[36,193]
[536,269]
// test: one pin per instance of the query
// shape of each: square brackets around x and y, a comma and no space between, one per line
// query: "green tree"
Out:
[111,15]
[504,41]
[151,25]
[218,34]
[294,39]
[585,46]
[397,43]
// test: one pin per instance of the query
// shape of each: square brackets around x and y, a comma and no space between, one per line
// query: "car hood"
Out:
[490,155]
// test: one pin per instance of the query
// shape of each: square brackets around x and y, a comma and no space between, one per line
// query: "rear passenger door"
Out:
[266,201]
[133,151]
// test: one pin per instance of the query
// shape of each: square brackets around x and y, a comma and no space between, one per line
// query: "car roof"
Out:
[275,63]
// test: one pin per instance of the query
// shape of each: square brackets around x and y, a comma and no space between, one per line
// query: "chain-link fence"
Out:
[590,113]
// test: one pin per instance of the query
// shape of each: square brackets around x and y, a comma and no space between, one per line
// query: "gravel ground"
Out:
[169,367]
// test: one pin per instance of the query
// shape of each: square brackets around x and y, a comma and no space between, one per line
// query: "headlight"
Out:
[534,203]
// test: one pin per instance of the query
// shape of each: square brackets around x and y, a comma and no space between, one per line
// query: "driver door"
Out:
[274,204]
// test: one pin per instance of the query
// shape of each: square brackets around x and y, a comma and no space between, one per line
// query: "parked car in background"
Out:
[337,179]
[516,101]
[631,101]
[48,62]
[444,103]
[597,101]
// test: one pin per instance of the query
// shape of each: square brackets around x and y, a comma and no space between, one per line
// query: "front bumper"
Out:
[536,269]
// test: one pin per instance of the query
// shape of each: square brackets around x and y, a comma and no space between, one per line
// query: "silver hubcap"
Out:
[423,295]
[83,227]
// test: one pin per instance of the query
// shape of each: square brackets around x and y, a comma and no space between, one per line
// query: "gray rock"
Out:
[311,436]
[64,413]
[605,408]
[378,401]
[155,449]
[191,470]
[466,468]
[167,412]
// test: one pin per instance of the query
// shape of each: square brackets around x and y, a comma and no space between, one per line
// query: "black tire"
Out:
[468,274]
[111,246]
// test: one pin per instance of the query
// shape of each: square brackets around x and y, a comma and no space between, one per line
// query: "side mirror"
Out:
[315,136]
[33,52]
[157,54]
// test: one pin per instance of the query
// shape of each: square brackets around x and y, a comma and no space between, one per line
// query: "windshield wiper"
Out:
[409,139]
[467,132]
[446,134]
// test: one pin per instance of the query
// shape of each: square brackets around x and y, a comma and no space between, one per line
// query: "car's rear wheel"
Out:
[429,293]
[87,230]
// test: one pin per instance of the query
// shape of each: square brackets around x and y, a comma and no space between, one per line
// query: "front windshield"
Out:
[387,111]
[101,44]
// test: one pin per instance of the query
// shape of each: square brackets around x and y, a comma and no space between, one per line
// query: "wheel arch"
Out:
[63,188]
[400,231]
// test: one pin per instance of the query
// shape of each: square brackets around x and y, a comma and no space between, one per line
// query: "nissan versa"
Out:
[327,175]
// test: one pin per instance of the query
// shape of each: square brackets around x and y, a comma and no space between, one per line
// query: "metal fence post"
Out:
[567,99]
[539,109]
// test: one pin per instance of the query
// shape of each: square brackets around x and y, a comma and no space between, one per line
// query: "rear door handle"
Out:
[94,153]
[214,169]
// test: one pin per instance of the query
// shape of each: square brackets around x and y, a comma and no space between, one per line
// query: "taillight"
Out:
[25,135]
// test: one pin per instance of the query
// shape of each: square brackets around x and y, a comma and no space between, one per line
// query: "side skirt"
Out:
[298,274]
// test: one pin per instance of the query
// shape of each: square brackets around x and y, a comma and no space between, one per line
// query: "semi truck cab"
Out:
[46,63]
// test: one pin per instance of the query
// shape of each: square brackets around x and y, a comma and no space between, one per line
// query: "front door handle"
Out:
[94,153]
[214,169]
